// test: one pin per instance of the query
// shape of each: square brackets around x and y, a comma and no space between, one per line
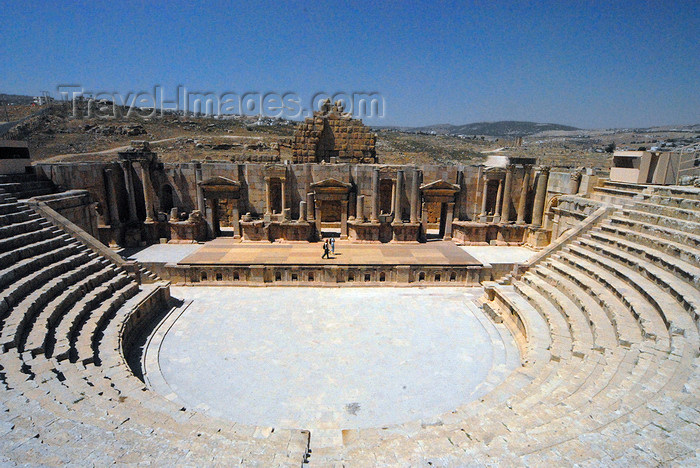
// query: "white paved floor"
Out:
[498,254]
[329,358]
[161,253]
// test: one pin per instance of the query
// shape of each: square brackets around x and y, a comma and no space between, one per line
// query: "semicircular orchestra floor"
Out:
[327,358]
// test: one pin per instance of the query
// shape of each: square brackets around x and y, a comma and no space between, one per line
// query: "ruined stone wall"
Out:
[181,178]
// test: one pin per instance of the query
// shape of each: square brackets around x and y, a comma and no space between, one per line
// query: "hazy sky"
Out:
[587,64]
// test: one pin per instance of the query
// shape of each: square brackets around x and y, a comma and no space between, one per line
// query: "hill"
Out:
[496,129]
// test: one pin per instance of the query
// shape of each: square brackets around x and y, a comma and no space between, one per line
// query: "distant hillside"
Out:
[15,99]
[503,128]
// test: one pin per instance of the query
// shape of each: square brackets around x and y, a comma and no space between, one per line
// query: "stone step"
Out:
[559,327]
[86,279]
[18,217]
[20,240]
[686,271]
[685,294]
[682,225]
[21,288]
[10,206]
[627,328]
[674,249]
[678,192]
[623,297]
[668,211]
[30,265]
[570,295]
[23,227]
[26,311]
[672,202]
[30,250]
[661,232]
[671,312]
[73,318]
[584,339]
[87,335]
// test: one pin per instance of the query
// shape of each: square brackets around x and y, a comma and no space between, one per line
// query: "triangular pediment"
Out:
[218,181]
[440,184]
[331,183]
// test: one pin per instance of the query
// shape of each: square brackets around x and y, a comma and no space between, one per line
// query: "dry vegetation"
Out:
[55,135]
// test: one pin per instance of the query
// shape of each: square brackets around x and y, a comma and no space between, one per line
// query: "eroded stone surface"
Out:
[331,358]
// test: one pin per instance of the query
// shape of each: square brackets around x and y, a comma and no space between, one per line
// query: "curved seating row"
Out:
[67,395]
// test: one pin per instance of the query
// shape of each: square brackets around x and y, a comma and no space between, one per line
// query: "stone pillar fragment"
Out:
[523,196]
[112,198]
[212,222]
[129,182]
[302,211]
[310,206]
[398,191]
[360,209]
[318,218]
[448,220]
[236,218]
[415,196]
[268,203]
[343,219]
[199,192]
[148,201]
[540,197]
[174,218]
[505,209]
[375,196]
[574,182]
[283,189]
[484,195]
[499,198]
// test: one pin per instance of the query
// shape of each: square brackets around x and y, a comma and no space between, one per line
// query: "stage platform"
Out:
[224,251]
[224,261]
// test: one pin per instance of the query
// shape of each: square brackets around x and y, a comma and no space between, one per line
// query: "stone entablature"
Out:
[332,135]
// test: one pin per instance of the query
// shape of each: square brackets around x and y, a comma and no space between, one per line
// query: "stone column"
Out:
[148,201]
[318,217]
[267,196]
[523,196]
[375,196]
[112,198]
[211,217]
[499,198]
[415,196]
[343,219]
[460,200]
[236,218]
[484,194]
[505,209]
[397,196]
[129,182]
[283,188]
[448,220]
[540,197]
[200,192]
[310,206]
[361,209]
[393,198]
[574,182]
[302,211]
[424,219]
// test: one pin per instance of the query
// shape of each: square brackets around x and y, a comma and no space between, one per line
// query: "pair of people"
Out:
[328,248]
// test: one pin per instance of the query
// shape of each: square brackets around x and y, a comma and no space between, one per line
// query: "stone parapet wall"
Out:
[330,275]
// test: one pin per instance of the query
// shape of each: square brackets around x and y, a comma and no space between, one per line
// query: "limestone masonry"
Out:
[605,314]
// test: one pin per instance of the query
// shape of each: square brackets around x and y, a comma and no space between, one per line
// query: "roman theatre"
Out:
[508,313]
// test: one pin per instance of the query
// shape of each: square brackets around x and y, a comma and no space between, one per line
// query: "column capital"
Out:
[545,169]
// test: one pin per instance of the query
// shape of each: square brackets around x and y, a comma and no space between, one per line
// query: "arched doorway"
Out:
[166,198]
